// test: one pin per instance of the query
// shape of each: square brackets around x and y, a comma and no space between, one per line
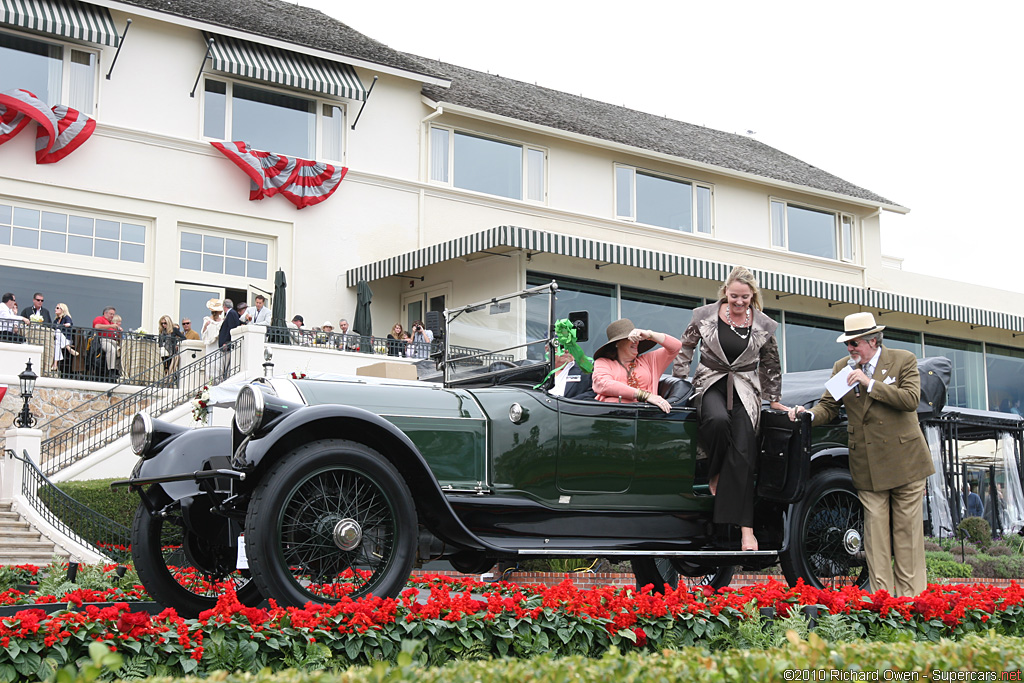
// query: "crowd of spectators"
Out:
[103,351]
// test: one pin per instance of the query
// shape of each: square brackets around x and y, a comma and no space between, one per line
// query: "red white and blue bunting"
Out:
[301,181]
[61,130]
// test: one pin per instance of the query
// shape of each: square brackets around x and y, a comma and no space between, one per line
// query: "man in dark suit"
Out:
[889,457]
[232,319]
[37,308]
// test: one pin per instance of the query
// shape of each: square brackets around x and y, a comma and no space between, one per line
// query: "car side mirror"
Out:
[581,321]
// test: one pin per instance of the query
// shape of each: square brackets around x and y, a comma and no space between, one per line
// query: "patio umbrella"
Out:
[362,322]
[278,310]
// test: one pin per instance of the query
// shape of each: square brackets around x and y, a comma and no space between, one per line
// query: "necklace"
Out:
[631,380]
[746,320]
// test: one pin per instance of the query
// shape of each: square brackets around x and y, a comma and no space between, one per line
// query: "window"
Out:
[811,342]
[223,255]
[669,313]
[815,232]
[54,73]
[273,121]
[1005,369]
[967,383]
[480,164]
[72,233]
[666,202]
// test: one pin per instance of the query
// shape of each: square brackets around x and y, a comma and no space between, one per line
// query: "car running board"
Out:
[594,552]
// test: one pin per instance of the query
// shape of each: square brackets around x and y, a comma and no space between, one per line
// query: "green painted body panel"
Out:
[446,425]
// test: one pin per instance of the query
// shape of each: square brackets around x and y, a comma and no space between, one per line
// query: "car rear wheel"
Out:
[332,518]
[659,571]
[179,569]
[826,531]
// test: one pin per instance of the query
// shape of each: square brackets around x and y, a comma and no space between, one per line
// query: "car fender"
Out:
[185,453]
[355,424]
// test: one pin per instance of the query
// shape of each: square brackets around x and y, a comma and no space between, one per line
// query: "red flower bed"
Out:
[464,617]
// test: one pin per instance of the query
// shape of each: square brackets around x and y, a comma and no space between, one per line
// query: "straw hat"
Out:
[328,323]
[618,331]
[858,325]
[215,305]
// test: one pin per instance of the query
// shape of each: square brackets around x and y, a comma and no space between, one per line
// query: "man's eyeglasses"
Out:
[40,300]
[853,343]
[186,322]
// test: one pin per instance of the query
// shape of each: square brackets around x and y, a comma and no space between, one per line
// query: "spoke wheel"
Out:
[826,534]
[332,518]
[659,571]
[179,569]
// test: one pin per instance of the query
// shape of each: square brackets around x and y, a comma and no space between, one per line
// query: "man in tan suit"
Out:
[889,457]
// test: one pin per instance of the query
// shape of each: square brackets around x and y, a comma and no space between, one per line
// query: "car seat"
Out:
[676,390]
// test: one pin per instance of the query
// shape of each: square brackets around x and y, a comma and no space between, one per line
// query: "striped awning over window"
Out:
[290,69]
[606,252]
[64,18]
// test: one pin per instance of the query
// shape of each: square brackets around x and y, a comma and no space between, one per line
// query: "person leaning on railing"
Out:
[170,337]
[10,321]
[61,343]
[419,344]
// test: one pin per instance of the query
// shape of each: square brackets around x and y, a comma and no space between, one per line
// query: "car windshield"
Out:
[499,335]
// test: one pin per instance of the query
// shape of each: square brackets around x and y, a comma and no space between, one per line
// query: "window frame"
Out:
[319,103]
[847,250]
[65,75]
[525,148]
[192,275]
[682,180]
[69,212]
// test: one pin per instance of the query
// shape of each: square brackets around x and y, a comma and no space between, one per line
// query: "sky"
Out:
[917,102]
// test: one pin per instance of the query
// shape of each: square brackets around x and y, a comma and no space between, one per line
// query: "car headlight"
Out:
[141,433]
[249,409]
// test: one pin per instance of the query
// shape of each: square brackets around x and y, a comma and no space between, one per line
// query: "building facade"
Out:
[460,186]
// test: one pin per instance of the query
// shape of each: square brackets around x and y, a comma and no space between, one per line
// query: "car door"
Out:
[596,448]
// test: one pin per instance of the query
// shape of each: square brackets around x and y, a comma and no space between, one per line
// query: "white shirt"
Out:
[7,313]
[259,317]
[562,378]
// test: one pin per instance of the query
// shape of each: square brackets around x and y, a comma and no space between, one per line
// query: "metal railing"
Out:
[355,343]
[110,424]
[84,353]
[71,517]
[381,346]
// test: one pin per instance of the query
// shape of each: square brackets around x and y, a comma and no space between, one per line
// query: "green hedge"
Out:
[117,504]
[799,660]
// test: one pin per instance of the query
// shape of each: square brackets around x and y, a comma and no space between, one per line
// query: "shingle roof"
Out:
[543,106]
[288,22]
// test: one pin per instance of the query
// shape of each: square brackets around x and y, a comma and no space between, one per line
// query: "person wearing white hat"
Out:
[889,457]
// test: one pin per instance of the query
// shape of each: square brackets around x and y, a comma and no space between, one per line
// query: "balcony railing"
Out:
[84,353]
[381,346]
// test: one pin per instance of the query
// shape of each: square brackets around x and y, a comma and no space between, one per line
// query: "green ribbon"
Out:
[565,342]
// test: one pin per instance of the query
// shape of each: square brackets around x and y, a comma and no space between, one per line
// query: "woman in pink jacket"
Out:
[623,373]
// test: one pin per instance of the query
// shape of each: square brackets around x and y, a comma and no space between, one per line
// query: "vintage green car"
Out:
[340,486]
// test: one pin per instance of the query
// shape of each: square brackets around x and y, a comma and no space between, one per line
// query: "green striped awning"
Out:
[290,69]
[64,18]
[676,264]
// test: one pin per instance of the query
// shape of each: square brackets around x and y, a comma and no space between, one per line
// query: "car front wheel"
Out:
[826,531]
[332,518]
[659,571]
[180,569]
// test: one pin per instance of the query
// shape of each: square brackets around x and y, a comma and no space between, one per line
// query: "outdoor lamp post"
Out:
[28,383]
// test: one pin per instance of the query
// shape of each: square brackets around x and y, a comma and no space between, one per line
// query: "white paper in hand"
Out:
[837,386]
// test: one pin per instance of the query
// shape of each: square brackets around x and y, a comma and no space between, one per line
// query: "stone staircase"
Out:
[20,543]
